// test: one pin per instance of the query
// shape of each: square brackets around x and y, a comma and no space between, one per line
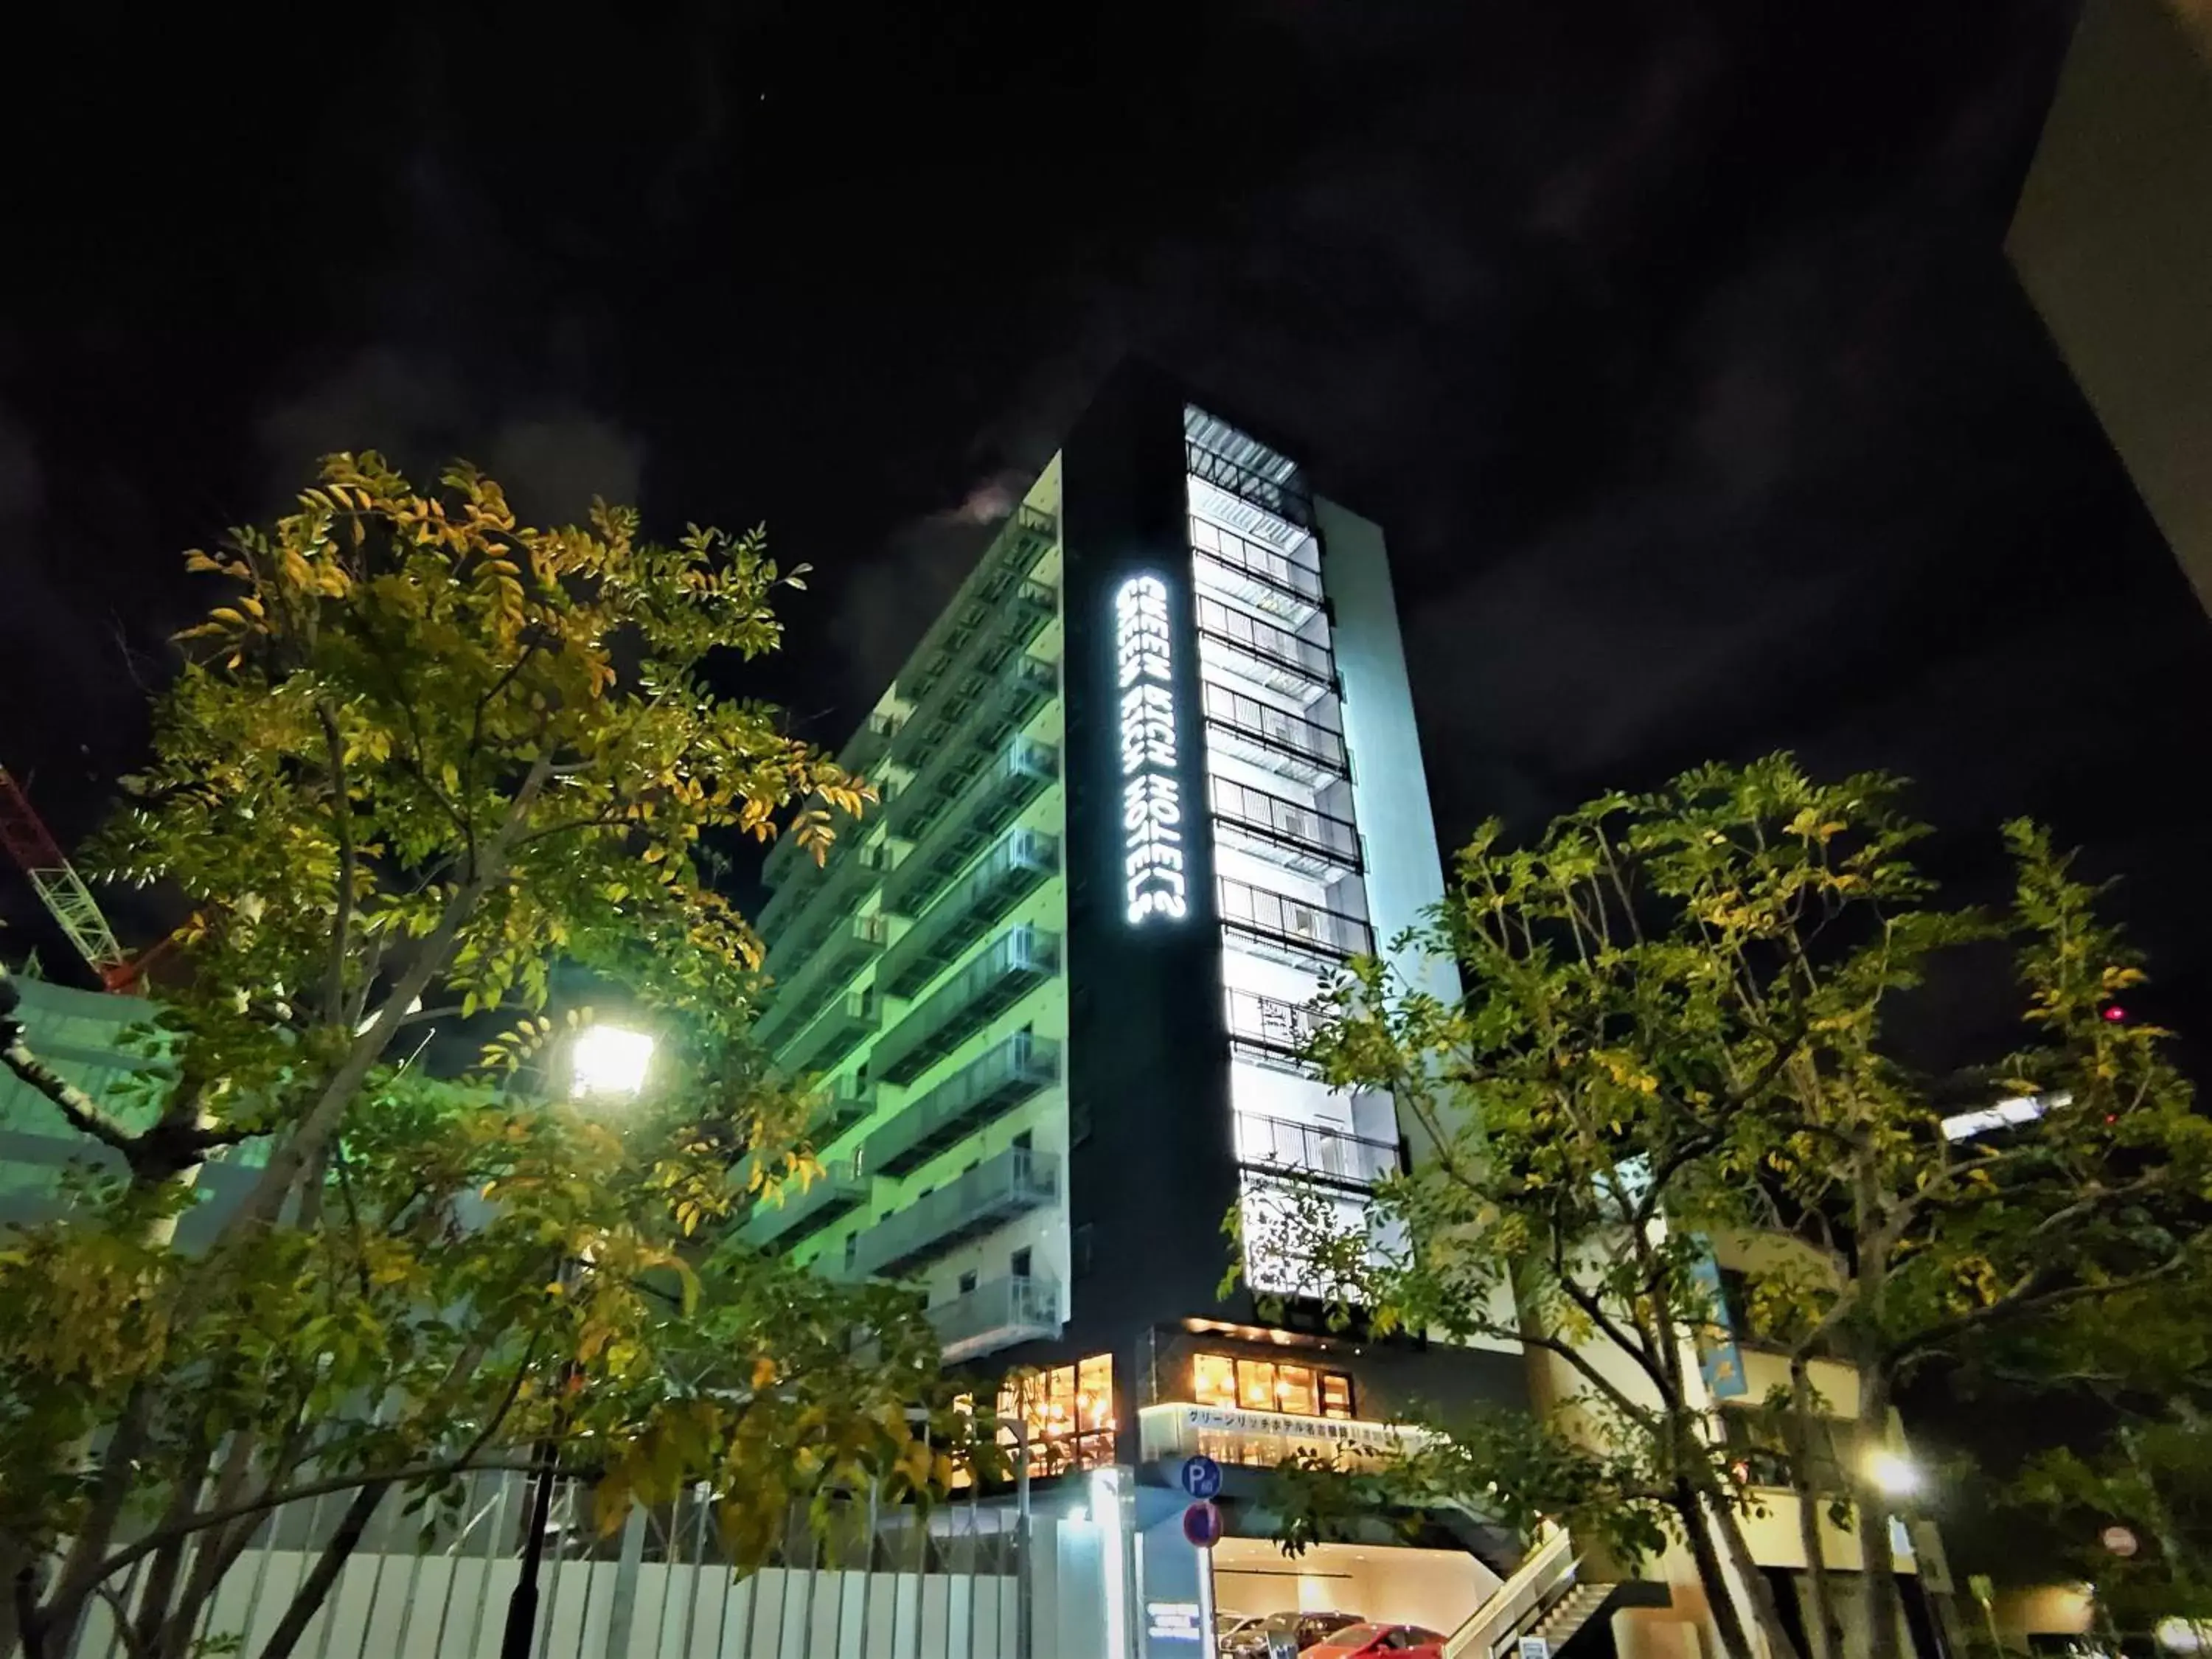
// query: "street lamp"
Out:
[608,1059]
[1895,1473]
[603,1061]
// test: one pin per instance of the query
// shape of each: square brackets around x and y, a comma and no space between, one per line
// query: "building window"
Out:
[1068,1412]
[1256,1384]
[1213,1379]
[967,1281]
[1336,1394]
[1265,1385]
[1025,1141]
[1759,1456]
[1021,1264]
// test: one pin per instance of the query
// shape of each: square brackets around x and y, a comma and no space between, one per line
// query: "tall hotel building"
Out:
[1149,777]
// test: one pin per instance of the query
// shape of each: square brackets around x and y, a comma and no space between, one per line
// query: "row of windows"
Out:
[1268,1385]
[1068,1412]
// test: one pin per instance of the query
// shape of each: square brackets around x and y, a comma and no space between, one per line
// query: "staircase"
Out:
[1544,1597]
[1571,1613]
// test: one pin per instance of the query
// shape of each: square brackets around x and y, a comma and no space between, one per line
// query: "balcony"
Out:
[844,1105]
[1019,961]
[1235,642]
[824,1043]
[1265,578]
[986,1089]
[1273,486]
[838,1190]
[872,742]
[1023,687]
[1024,538]
[1285,832]
[995,1192]
[1021,863]
[1279,1145]
[997,1316]
[1269,1031]
[1022,771]
[1290,930]
[811,901]
[1012,621]
[1263,735]
[817,977]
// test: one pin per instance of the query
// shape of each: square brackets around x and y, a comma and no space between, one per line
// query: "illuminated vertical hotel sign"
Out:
[1154,882]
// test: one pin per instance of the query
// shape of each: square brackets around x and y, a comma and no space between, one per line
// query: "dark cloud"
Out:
[1673,346]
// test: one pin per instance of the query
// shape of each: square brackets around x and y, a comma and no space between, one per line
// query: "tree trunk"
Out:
[1755,1585]
[160,1585]
[215,1549]
[1880,1563]
[316,1587]
[58,1620]
[1727,1623]
[1827,1628]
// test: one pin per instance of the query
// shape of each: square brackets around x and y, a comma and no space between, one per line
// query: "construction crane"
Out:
[61,889]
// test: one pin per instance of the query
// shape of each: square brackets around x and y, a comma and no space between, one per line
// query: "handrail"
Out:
[1549,1565]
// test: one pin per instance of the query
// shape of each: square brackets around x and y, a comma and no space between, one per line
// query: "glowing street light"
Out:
[1895,1473]
[608,1059]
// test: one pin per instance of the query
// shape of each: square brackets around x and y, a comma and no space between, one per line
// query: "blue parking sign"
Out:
[1201,1476]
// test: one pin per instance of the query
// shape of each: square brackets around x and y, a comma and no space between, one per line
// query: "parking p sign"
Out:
[1201,1476]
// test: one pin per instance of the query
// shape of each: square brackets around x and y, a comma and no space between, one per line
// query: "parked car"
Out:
[1369,1641]
[1226,1626]
[1285,1635]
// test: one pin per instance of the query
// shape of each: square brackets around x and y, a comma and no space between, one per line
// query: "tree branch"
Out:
[85,1113]
[341,824]
[261,1502]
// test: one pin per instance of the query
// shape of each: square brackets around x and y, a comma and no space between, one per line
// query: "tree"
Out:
[422,758]
[1672,1031]
[1933,1247]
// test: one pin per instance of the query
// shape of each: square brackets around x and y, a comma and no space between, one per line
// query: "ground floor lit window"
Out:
[1068,1412]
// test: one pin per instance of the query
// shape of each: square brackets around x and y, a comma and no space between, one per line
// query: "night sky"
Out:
[1674,346]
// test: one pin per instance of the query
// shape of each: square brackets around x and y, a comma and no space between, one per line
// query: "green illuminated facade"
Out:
[922,971]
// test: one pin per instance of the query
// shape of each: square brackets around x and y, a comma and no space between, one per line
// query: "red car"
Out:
[1364,1641]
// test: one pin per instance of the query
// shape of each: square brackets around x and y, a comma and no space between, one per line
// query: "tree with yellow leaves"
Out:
[420,756]
[1675,1030]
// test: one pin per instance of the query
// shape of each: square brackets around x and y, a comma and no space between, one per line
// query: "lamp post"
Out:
[603,1061]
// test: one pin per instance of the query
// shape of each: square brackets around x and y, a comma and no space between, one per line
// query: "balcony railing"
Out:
[1021,863]
[844,1105]
[995,1191]
[1022,687]
[1277,925]
[1021,542]
[1006,1074]
[1024,770]
[811,901]
[1274,655]
[1272,737]
[818,977]
[870,744]
[1285,498]
[996,1315]
[1288,832]
[1269,1027]
[838,1190]
[1013,621]
[1265,576]
[1282,1145]
[1007,970]
[833,1034]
